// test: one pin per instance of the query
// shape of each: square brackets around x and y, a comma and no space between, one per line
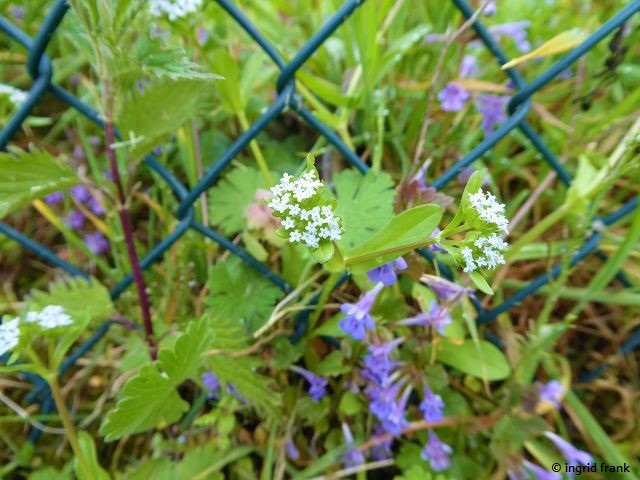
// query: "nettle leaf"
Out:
[241,294]
[29,175]
[477,358]
[229,199]
[149,398]
[365,204]
[252,386]
[150,117]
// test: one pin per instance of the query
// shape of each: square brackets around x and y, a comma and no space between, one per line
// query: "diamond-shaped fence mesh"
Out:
[40,68]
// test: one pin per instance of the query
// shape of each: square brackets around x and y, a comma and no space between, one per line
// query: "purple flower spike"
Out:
[573,455]
[54,198]
[358,319]
[552,392]
[353,457]
[395,421]
[292,451]
[95,206]
[211,383]
[445,290]
[436,453]
[75,219]
[317,384]
[453,97]
[540,473]
[378,365]
[80,193]
[432,405]
[492,108]
[382,398]
[387,273]
[468,66]
[96,242]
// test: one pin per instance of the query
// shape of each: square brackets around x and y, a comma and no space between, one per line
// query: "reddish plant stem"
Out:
[127,228]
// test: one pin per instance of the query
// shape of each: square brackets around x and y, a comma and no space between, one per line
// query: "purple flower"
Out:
[540,473]
[437,317]
[434,247]
[492,108]
[54,198]
[78,152]
[445,290]
[468,66]
[515,30]
[432,405]
[292,450]
[353,457]
[436,453]
[378,365]
[573,455]
[387,273]
[382,398]
[551,392]
[394,422]
[17,12]
[75,219]
[211,383]
[382,450]
[434,38]
[157,151]
[232,390]
[317,384]
[490,9]
[358,319]
[453,97]
[202,36]
[80,193]
[95,206]
[95,141]
[96,242]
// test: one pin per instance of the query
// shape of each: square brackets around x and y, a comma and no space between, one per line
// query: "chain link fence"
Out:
[40,68]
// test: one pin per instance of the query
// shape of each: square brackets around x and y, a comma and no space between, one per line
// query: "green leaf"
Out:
[149,398]
[27,176]
[88,447]
[252,386]
[480,282]
[149,118]
[477,358]
[365,204]
[229,199]
[560,43]
[350,404]
[405,232]
[50,473]
[332,365]
[240,293]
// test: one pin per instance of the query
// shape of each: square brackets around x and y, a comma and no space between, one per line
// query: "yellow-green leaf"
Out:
[560,43]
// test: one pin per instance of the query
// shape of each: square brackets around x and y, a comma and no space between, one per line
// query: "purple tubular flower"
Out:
[211,383]
[540,473]
[382,450]
[490,9]
[492,108]
[75,219]
[80,193]
[96,242]
[395,421]
[202,36]
[573,455]
[54,198]
[436,453]
[292,451]
[95,206]
[445,290]
[437,317]
[317,384]
[17,13]
[468,66]
[552,392]
[434,38]
[382,398]
[432,405]
[435,247]
[353,457]
[515,30]
[358,319]
[158,150]
[232,390]
[78,152]
[378,365]
[387,273]
[453,97]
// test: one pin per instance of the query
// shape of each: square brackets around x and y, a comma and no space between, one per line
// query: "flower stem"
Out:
[69,427]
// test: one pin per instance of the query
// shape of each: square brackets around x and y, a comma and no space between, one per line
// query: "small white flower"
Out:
[173,8]
[295,236]
[488,253]
[15,95]
[288,223]
[9,335]
[51,316]
[489,209]
[467,256]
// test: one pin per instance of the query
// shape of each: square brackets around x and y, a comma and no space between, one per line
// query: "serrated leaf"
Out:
[477,358]
[252,386]
[365,204]
[229,199]
[241,294]
[29,175]
[150,398]
[164,105]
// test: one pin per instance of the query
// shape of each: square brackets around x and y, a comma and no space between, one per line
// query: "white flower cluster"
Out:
[15,95]
[307,226]
[487,253]
[173,8]
[489,209]
[52,316]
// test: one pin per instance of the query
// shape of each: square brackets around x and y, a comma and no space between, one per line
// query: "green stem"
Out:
[397,249]
[546,223]
[69,427]
[255,149]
